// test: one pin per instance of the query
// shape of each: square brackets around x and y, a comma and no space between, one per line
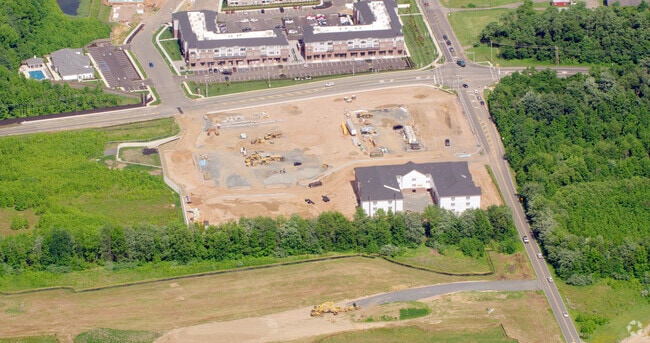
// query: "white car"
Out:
[566,315]
[288,21]
[476,91]
[245,20]
[550,279]
[539,255]
[329,84]
[254,20]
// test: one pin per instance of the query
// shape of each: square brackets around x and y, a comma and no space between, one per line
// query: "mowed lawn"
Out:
[468,25]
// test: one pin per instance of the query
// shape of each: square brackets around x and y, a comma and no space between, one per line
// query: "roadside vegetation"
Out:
[579,146]
[106,230]
[35,27]
[416,36]
[416,334]
[601,36]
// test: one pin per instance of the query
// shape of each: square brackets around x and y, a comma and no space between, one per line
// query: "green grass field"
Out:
[619,301]
[468,25]
[476,3]
[71,183]
[115,336]
[134,155]
[453,261]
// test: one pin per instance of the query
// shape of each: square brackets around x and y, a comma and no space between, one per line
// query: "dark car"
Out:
[309,201]
[451,49]
[150,64]
[262,11]
[325,198]
[482,103]
[226,72]
[448,42]
[465,85]
[447,142]
[281,9]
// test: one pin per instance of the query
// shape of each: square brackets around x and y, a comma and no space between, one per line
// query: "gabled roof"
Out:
[210,37]
[380,182]
[71,62]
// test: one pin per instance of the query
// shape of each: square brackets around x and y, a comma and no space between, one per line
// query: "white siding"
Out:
[371,207]
[413,179]
[459,204]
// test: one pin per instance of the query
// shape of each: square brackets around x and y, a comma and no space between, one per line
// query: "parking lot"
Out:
[116,67]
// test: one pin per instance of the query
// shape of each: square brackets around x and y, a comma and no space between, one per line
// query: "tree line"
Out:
[605,35]
[61,249]
[35,28]
[580,149]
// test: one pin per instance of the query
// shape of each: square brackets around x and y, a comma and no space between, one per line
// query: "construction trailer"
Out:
[350,126]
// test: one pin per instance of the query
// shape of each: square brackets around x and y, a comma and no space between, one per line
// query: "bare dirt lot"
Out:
[463,312]
[212,169]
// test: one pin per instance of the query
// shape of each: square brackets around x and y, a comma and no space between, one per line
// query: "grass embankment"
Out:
[70,183]
[416,35]
[134,155]
[170,45]
[415,334]
[617,301]
[453,261]
[215,89]
[94,9]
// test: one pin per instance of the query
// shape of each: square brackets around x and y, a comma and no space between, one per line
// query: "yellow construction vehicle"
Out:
[329,307]
[257,140]
[271,135]
[325,165]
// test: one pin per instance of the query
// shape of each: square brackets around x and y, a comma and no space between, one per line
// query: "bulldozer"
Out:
[329,307]
[271,135]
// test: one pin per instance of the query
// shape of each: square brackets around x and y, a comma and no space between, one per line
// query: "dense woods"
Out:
[34,28]
[577,35]
[579,146]
[62,249]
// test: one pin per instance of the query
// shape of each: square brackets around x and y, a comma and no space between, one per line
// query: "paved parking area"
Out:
[116,67]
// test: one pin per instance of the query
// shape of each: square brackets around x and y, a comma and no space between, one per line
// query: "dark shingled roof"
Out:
[366,15]
[189,36]
[450,179]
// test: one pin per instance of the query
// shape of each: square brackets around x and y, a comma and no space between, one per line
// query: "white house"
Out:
[72,65]
[449,183]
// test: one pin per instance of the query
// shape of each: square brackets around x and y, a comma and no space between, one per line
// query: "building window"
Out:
[374,203]
[453,198]
[390,202]
[467,197]
[467,204]
[453,204]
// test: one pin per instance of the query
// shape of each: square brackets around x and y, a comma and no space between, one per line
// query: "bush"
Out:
[580,280]
[19,223]
[389,250]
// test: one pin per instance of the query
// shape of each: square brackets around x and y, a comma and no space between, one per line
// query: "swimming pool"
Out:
[36,75]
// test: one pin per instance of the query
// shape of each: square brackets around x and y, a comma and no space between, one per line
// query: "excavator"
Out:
[329,307]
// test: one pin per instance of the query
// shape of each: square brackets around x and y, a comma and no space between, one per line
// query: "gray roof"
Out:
[450,179]
[365,16]
[71,62]
[34,61]
[624,2]
[193,42]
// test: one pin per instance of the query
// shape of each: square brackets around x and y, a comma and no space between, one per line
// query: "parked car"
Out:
[447,142]
[482,103]
[325,198]
[329,84]
[465,85]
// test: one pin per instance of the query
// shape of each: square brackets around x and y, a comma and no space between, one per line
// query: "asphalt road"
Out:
[448,74]
[413,294]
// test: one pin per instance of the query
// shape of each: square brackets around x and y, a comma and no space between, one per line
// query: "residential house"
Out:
[72,65]
[449,183]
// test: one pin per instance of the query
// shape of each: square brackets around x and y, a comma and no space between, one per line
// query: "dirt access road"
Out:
[211,168]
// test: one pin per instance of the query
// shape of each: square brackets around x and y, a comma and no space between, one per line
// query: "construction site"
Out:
[295,158]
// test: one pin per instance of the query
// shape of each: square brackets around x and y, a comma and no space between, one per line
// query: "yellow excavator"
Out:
[329,307]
